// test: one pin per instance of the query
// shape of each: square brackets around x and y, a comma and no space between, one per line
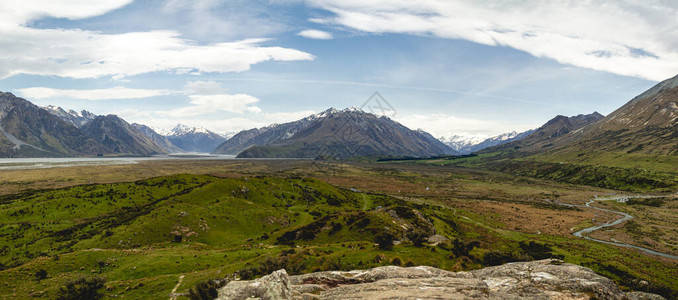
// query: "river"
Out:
[623,218]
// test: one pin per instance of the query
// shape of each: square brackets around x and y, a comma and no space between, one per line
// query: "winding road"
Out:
[624,217]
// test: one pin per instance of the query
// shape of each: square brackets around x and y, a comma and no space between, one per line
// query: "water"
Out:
[48,162]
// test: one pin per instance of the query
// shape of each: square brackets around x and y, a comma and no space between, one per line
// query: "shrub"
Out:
[385,241]
[207,290]
[417,237]
[396,261]
[41,274]
[82,288]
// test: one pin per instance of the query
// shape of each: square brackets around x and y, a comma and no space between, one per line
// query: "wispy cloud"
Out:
[78,53]
[315,34]
[623,37]
[93,94]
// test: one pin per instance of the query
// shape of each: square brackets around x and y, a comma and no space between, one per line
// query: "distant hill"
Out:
[27,130]
[335,134]
[158,139]
[120,137]
[548,135]
[78,119]
[193,139]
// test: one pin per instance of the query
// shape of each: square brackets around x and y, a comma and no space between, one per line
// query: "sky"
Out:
[470,68]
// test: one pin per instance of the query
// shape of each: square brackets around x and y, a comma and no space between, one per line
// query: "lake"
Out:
[50,162]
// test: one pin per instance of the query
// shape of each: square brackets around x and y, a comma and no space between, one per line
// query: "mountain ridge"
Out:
[547,135]
[121,137]
[335,134]
[30,131]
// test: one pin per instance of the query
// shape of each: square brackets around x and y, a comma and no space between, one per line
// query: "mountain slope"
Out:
[27,130]
[158,139]
[120,137]
[193,139]
[275,133]
[548,135]
[647,124]
[339,134]
[78,119]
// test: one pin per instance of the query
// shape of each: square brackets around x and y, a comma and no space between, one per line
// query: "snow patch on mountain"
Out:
[78,119]
[469,144]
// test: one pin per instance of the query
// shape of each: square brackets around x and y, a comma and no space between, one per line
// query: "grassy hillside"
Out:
[148,237]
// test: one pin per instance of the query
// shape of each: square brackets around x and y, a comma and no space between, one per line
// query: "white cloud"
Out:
[206,104]
[94,94]
[445,125]
[203,87]
[78,53]
[18,12]
[623,37]
[315,34]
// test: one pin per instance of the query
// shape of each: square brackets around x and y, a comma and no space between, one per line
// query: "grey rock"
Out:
[544,279]
[270,287]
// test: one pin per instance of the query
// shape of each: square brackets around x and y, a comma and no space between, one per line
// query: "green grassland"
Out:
[627,172]
[142,236]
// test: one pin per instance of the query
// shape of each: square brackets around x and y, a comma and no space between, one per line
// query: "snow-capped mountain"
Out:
[461,143]
[470,144]
[335,134]
[195,139]
[157,138]
[78,119]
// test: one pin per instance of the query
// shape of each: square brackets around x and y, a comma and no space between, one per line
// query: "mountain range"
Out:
[547,135]
[27,130]
[645,127]
[334,134]
[180,139]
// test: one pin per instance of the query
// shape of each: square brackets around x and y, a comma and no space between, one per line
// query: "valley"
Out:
[144,226]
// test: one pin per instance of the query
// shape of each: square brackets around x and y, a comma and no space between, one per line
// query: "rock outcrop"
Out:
[544,279]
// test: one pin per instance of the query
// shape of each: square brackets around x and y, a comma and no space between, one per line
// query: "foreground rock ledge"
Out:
[544,279]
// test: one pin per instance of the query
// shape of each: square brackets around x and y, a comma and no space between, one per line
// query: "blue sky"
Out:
[473,68]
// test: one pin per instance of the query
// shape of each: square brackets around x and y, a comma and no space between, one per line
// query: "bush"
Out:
[82,288]
[418,238]
[396,261]
[206,290]
[496,258]
[385,241]
[41,274]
